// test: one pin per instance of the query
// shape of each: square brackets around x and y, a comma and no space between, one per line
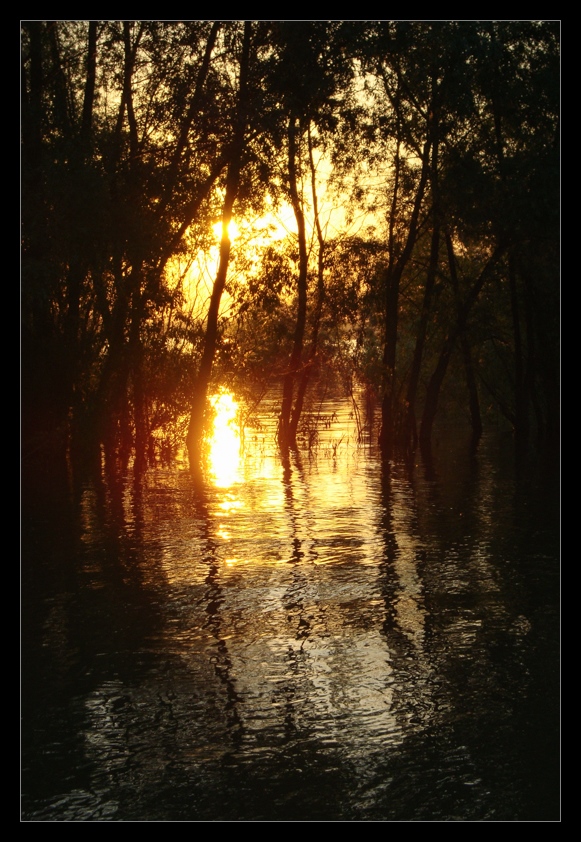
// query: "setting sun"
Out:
[233,229]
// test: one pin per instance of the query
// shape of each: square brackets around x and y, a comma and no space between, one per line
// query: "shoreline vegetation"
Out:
[224,204]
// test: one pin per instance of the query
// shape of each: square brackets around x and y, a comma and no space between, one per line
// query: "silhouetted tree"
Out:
[138,135]
[200,389]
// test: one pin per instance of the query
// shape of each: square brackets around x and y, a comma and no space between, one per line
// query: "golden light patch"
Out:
[225,443]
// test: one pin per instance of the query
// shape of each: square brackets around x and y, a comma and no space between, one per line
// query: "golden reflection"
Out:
[307,638]
[229,505]
[225,443]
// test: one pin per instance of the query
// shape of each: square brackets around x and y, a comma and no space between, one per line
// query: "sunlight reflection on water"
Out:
[224,450]
[293,559]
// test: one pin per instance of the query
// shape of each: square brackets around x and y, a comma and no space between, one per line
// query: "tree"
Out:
[138,135]
[436,102]
[309,71]
[196,425]
[125,135]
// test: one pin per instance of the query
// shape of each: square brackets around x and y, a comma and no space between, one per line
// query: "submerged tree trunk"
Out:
[409,432]
[437,378]
[393,277]
[286,430]
[202,380]
[473,401]
[307,367]
[542,363]
[521,403]
[521,382]
[39,413]
[200,391]
[390,337]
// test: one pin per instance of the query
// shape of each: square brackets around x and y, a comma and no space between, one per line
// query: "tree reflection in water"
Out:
[315,637]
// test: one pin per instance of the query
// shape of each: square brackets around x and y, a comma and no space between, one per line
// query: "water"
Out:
[317,639]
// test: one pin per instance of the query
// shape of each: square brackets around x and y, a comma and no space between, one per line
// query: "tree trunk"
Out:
[200,390]
[473,401]
[36,324]
[409,432]
[61,98]
[393,277]
[286,431]
[307,368]
[32,111]
[193,109]
[89,94]
[437,378]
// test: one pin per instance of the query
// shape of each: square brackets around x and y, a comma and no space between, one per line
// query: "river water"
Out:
[322,638]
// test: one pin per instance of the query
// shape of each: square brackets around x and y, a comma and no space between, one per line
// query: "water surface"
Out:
[321,637]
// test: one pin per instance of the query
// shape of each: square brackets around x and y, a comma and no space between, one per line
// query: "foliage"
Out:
[421,156]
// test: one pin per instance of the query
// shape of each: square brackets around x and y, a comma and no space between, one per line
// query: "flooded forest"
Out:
[290,421]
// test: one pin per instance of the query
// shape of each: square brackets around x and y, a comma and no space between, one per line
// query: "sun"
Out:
[259,232]
[233,230]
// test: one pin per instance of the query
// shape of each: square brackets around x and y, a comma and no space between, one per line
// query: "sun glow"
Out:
[225,441]
[233,230]
[257,233]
